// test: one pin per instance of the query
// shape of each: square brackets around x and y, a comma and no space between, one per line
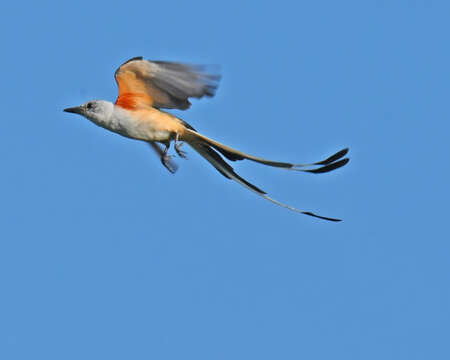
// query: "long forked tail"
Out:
[204,148]
[333,162]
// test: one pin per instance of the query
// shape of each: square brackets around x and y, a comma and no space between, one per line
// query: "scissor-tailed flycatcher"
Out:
[146,86]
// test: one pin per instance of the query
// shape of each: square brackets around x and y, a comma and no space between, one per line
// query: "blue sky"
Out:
[106,255]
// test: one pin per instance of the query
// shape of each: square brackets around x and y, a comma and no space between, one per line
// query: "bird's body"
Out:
[146,124]
[146,86]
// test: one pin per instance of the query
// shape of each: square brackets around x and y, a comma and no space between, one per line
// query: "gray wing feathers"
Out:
[171,84]
[180,82]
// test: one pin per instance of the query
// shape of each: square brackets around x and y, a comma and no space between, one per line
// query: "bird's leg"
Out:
[165,159]
[177,146]
[170,165]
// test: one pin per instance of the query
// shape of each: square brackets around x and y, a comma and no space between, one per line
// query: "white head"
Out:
[98,111]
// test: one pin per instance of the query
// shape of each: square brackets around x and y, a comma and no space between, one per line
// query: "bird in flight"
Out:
[147,86]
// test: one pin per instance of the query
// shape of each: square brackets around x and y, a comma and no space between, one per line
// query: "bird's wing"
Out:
[162,84]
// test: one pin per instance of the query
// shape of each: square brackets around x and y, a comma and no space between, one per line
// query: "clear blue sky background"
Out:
[106,255]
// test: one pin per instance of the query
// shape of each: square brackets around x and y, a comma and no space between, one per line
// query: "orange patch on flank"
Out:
[133,92]
[130,100]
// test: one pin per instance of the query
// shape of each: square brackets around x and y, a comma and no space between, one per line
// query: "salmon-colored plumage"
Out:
[131,101]
[133,92]
[162,84]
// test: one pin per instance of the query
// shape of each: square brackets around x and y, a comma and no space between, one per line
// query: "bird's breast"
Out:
[145,125]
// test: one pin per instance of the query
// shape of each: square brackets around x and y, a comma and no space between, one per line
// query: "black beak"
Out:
[75,110]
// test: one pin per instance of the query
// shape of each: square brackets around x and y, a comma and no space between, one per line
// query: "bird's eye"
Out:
[89,106]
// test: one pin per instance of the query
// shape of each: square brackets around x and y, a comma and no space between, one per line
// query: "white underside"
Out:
[122,122]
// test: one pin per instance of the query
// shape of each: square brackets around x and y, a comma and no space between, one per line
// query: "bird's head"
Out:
[98,111]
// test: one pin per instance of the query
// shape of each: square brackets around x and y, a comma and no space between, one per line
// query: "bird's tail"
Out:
[205,147]
[333,162]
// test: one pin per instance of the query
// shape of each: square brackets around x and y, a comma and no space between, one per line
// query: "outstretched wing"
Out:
[162,84]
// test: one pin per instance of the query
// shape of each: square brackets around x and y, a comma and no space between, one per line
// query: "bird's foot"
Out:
[166,160]
[180,152]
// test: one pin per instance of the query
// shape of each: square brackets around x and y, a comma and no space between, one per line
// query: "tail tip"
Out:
[321,217]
